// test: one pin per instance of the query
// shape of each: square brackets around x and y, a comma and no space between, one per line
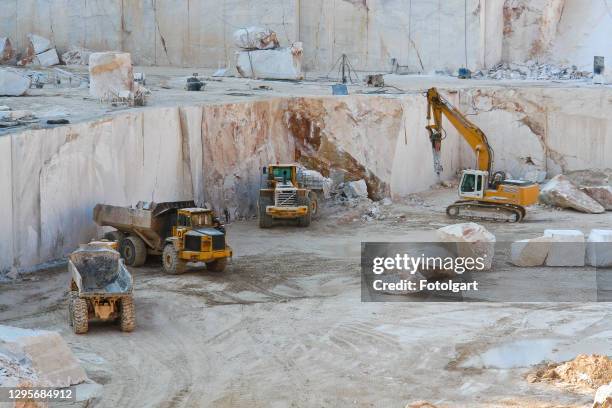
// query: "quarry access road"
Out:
[284,325]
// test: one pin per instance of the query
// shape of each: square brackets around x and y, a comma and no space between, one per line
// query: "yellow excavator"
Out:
[483,196]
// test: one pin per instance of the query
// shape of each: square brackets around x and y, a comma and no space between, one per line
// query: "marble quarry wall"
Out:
[52,178]
[567,32]
[421,34]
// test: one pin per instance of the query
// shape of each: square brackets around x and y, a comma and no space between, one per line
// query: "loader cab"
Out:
[473,183]
[282,174]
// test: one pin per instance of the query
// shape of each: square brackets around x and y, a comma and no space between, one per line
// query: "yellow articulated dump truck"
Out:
[178,231]
[100,288]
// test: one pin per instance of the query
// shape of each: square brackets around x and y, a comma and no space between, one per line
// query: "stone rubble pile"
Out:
[532,71]
[76,56]
[43,357]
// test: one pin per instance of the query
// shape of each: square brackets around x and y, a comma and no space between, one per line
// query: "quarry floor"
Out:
[284,325]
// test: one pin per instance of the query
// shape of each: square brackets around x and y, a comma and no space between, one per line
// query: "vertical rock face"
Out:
[110,73]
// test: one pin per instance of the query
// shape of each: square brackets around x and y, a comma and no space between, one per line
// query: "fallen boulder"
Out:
[47,58]
[281,63]
[601,194]
[356,189]
[567,248]
[38,44]
[46,354]
[599,248]
[12,83]
[110,74]
[530,252]
[561,192]
[255,38]
[472,241]
[590,177]
[603,397]
[6,50]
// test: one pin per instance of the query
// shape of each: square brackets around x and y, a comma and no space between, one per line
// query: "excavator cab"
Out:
[473,184]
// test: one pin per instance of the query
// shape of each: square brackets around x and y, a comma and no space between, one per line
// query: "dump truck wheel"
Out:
[134,251]
[305,220]
[80,316]
[217,266]
[114,236]
[171,262]
[73,294]
[128,315]
[314,204]
[265,221]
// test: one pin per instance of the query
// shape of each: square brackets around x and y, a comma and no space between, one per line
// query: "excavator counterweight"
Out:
[483,196]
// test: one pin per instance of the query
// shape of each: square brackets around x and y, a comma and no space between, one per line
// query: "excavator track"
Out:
[485,211]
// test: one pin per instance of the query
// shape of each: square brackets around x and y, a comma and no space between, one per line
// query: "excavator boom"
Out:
[438,106]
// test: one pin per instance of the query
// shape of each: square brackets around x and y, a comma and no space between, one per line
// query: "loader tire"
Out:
[172,264]
[304,221]
[80,316]
[73,294]
[127,320]
[217,266]
[265,221]
[133,251]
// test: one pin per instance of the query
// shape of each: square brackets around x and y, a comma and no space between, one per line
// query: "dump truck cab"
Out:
[283,197]
[198,236]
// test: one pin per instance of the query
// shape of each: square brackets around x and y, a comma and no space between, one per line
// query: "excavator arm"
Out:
[438,106]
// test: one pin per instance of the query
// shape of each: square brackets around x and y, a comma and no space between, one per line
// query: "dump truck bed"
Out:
[152,222]
[99,272]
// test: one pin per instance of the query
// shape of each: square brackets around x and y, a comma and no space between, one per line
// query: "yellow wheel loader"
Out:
[178,231]
[100,288]
[483,196]
[282,197]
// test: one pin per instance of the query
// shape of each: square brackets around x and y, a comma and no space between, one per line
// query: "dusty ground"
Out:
[285,326]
